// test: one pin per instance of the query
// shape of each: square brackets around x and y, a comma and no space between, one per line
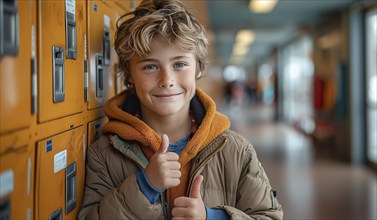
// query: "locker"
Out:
[17,65]
[94,129]
[121,8]
[16,176]
[60,175]
[101,30]
[61,58]
[119,84]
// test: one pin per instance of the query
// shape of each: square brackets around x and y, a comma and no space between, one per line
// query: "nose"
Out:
[166,79]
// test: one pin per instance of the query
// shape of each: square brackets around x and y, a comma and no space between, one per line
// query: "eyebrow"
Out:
[156,60]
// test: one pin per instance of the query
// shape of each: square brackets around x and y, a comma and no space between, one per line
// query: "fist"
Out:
[163,169]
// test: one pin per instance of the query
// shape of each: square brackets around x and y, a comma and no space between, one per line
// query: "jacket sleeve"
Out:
[104,198]
[255,197]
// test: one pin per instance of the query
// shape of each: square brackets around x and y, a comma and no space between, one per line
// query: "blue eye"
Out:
[150,67]
[179,65]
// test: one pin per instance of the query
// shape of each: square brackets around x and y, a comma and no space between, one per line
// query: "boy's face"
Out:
[164,80]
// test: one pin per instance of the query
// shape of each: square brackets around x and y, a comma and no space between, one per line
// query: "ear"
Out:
[198,74]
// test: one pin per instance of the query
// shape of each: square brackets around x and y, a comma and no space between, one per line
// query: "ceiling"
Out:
[272,30]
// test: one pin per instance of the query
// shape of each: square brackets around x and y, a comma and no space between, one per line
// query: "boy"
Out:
[166,153]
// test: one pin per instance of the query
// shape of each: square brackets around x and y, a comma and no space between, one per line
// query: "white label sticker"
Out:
[6,182]
[106,21]
[60,161]
[33,41]
[70,6]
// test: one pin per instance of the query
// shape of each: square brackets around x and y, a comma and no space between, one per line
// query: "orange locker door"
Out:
[60,175]
[94,130]
[16,58]
[16,176]
[61,58]
[101,29]
[122,7]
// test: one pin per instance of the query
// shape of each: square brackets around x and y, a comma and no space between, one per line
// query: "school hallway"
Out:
[310,183]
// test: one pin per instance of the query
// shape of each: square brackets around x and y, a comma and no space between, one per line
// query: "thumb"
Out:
[164,143]
[195,189]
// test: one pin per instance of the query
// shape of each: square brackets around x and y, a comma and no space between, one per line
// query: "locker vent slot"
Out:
[106,47]
[70,188]
[9,28]
[71,36]
[56,215]
[99,74]
[5,209]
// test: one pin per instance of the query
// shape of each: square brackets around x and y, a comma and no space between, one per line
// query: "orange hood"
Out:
[131,128]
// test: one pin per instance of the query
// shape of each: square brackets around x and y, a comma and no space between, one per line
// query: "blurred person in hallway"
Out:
[166,152]
[235,96]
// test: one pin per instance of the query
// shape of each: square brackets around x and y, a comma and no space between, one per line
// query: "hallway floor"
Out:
[309,186]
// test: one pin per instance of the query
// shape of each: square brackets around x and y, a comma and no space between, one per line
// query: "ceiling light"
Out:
[262,6]
[241,47]
[245,37]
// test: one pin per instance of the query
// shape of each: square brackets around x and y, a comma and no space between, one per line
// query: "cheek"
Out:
[190,85]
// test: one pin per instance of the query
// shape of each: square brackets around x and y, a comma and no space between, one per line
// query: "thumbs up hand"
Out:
[163,169]
[190,207]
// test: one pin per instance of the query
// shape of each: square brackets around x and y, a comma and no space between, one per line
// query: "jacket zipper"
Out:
[164,205]
[202,164]
[163,197]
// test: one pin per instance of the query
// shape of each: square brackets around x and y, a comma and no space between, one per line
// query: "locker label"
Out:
[60,161]
[48,145]
[70,6]
[6,182]
[106,21]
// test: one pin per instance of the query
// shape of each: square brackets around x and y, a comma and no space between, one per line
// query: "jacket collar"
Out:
[131,128]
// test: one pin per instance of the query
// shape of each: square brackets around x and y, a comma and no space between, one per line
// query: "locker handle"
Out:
[106,47]
[5,209]
[58,74]
[9,28]
[70,188]
[56,215]
[99,76]
[71,43]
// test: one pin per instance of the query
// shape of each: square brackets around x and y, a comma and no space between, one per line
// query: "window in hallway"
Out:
[297,80]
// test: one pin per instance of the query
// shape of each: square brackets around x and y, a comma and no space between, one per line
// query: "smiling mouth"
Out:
[167,95]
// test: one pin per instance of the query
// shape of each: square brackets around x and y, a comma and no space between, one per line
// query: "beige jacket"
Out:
[234,179]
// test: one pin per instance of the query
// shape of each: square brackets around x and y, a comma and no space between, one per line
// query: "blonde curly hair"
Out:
[167,19]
